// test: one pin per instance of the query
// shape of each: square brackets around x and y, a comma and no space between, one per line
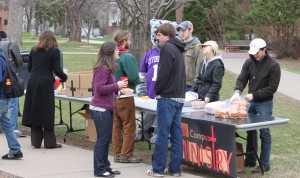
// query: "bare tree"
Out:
[140,13]
[29,10]
[15,19]
[76,10]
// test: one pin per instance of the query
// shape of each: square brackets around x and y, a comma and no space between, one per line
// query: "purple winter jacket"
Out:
[104,87]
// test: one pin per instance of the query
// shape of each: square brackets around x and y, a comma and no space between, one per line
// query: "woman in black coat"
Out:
[39,106]
[210,75]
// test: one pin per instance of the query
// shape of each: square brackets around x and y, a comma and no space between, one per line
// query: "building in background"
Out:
[3,15]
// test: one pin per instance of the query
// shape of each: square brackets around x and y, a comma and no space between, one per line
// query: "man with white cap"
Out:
[192,52]
[262,74]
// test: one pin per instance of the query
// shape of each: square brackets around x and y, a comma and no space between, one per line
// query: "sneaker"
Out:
[20,134]
[18,155]
[116,172]
[117,159]
[258,169]
[131,159]
[153,174]
[106,174]
[172,174]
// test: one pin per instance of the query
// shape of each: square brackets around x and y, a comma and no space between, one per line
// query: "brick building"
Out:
[3,14]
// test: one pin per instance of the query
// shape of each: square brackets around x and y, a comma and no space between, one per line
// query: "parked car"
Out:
[94,36]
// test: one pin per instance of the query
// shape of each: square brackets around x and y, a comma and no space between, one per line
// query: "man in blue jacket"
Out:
[7,127]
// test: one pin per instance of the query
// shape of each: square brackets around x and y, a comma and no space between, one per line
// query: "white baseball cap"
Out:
[213,45]
[256,45]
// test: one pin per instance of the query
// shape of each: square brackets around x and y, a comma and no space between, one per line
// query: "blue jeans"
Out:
[104,124]
[13,144]
[263,109]
[13,111]
[168,123]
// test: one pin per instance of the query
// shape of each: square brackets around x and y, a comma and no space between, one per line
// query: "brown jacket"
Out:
[192,59]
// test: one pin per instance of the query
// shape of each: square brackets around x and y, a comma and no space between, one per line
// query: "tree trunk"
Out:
[15,19]
[76,9]
[135,46]
[36,26]
[28,25]
[75,29]
[29,13]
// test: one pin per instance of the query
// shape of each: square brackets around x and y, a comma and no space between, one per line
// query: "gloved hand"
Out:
[248,97]
[236,95]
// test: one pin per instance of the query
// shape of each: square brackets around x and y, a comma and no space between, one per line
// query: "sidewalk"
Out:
[67,162]
[289,82]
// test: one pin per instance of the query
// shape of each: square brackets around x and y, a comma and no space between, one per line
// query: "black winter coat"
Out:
[209,83]
[39,106]
[170,81]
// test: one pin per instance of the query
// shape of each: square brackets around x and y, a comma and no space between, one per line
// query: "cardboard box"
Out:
[240,161]
[79,84]
[90,129]
[80,79]
[79,92]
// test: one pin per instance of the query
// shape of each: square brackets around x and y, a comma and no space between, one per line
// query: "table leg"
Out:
[61,122]
[143,136]
[71,119]
[254,151]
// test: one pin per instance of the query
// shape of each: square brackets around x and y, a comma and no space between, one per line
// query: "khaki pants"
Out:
[124,127]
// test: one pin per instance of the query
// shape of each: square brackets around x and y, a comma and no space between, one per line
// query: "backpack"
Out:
[11,73]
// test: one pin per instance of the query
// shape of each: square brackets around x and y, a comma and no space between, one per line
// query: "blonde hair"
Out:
[121,36]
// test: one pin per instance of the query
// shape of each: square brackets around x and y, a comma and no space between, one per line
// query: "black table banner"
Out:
[209,145]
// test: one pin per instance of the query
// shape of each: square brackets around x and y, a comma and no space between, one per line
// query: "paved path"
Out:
[67,162]
[289,82]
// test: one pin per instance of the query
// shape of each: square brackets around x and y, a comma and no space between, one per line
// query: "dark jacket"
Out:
[12,51]
[263,78]
[209,83]
[170,81]
[39,101]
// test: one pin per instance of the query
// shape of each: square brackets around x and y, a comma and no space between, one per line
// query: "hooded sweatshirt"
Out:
[170,81]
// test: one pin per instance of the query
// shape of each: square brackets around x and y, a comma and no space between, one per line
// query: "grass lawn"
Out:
[285,158]
[290,65]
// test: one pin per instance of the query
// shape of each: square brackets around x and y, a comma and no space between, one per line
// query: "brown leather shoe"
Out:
[258,169]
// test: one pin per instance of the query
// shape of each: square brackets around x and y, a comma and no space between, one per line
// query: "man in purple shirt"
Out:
[148,68]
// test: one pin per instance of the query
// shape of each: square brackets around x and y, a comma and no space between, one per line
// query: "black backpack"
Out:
[12,85]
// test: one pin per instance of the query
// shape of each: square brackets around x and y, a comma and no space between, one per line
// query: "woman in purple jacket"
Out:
[102,106]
